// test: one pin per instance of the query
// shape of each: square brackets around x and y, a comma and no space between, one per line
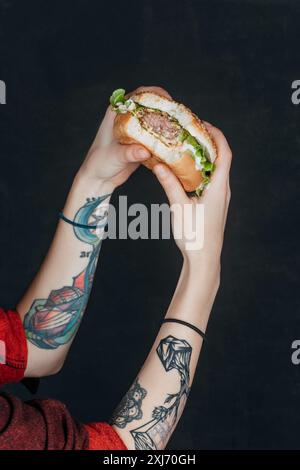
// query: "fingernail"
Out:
[159,170]
[143,153]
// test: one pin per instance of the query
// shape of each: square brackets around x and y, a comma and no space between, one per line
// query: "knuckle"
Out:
[211,127]
[167,179]
[216,129]
[160,89]
[219,133]
[129,152]
[230,155]
[168,183]
[110,112]
[157,89]
[141,87]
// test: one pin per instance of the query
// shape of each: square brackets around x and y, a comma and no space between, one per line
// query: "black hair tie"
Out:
[182,322]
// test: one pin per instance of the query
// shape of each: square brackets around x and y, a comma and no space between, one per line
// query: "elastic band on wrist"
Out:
[76,224]
[189,325]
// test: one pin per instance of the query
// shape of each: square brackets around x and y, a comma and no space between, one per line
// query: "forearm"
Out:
[53,305]
[148,414]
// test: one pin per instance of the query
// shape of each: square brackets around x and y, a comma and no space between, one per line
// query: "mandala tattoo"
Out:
[130,407]
[174,354]
[54,321]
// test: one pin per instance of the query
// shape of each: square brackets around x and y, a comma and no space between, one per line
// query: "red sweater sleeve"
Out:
[13,347]
[102,436]
[40,424]
[48,425]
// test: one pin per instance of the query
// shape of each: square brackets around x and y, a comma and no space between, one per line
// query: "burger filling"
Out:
[167,129]
[161,124]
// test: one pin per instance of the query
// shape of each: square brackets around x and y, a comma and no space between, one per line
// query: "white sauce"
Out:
[186,146]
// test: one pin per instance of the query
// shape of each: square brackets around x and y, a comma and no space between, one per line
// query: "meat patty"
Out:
[160,123]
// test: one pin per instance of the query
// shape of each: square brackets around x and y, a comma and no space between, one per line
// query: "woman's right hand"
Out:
[214,201]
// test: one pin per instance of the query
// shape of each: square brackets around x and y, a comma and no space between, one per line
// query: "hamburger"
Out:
[170,131]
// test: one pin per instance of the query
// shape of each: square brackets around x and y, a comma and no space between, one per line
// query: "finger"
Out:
[105,132]
[155,89]
[207,124]
[219,138]
[174,191]
[228,190]
[228,197]
[223,160]
[227,201]
[131,153]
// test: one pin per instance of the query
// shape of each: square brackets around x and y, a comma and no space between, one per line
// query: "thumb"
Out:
[174,191]
[132,153]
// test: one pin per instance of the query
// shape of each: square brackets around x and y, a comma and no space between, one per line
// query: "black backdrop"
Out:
[233,62]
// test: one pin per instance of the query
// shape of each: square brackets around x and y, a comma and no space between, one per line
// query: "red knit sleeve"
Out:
[49,417]
[48,425]
[39,425]
[102,436]
[13,347]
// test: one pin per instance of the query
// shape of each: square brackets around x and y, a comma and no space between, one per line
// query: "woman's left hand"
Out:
[109,162]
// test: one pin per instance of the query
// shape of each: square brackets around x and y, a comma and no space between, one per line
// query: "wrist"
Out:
[83,188]
[202,261]
[196,290]
[204,269]
[91,184]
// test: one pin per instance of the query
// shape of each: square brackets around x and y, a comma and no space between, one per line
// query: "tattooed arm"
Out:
[53,305]
[149,412]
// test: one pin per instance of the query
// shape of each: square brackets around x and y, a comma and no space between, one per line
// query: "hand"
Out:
[108,162]
[215,200]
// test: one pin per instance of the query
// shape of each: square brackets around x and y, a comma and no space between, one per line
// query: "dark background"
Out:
[233,62]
